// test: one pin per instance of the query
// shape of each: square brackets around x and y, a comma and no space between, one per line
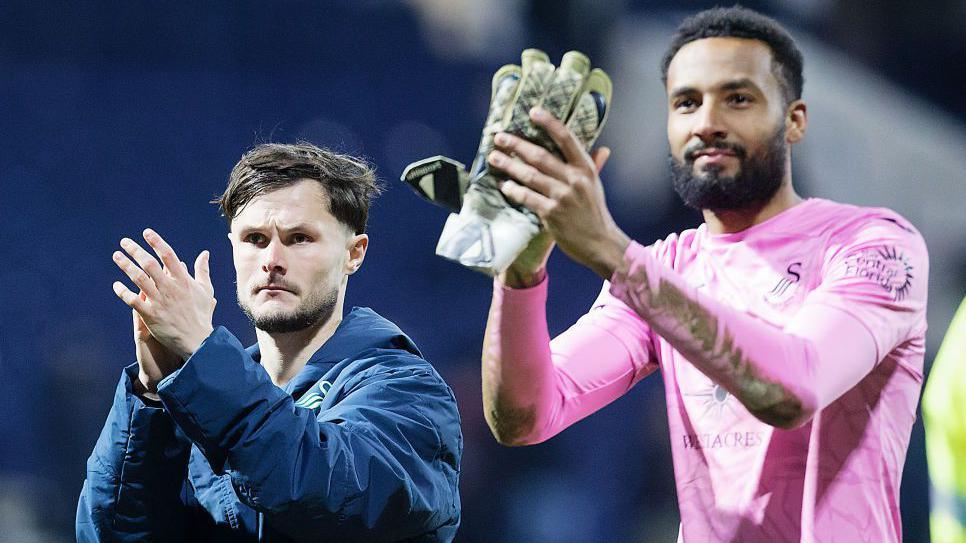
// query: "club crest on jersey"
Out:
[884,266]
[786,286]
[313,397]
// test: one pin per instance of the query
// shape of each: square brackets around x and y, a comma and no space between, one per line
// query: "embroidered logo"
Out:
[314,396]
[714,400]
[785,287]
[884,266]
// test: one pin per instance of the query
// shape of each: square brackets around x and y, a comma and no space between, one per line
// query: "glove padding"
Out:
[489,232]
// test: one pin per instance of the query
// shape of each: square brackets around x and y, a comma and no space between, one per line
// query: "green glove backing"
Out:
[488,233]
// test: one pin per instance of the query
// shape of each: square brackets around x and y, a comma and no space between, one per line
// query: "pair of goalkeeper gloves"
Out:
[485,232]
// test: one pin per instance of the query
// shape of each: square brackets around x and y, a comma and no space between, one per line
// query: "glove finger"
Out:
[590,113]
[561,94]
[537,76]
[505,83]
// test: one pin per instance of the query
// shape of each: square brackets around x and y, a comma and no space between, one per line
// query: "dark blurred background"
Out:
[115,116]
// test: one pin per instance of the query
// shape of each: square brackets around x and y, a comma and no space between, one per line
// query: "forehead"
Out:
[709,62]
[302,202]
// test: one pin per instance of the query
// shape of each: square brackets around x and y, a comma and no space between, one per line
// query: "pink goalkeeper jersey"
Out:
[829,299]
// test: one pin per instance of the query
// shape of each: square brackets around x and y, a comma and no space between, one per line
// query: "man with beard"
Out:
[789,332]
[331,428]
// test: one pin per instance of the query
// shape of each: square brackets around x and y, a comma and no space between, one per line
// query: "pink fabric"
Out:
[825,300]
[553,377]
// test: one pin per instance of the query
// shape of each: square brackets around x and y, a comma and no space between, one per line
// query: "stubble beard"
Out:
[758,179]
[315,309]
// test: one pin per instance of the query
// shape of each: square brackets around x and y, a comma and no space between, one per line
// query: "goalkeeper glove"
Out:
[488,232]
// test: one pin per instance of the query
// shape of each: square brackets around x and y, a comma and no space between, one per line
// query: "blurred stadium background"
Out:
[119,115]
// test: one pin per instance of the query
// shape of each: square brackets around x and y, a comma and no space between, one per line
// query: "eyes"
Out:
[261,240]
[685,105]
[736,100]
[255,238]
[740,99]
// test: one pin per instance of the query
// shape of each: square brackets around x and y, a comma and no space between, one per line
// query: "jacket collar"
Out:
[360,330]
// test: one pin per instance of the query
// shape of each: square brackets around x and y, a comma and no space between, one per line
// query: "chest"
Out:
[769,284]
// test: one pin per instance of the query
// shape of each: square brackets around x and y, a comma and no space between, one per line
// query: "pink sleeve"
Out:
[845,326]
[591,364]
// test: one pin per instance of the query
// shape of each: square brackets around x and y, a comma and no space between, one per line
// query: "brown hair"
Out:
[349,182]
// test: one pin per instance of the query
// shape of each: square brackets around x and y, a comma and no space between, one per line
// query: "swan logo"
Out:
[315,395]
[785,288]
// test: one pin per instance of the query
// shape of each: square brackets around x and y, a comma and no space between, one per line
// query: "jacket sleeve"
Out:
[133,490]
[381,464]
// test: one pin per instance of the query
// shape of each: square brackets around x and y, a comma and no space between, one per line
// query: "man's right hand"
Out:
[154,359]
[530,267]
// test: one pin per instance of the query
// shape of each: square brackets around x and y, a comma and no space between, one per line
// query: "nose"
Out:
[274,257]
[708,123]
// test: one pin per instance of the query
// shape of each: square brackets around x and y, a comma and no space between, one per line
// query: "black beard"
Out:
[310,312]
[758,179]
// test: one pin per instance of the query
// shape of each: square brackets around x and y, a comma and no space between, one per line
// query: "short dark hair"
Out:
[349,182]
[739,22]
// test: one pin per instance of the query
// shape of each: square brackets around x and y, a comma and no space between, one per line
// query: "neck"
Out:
[283,355]
[729,221]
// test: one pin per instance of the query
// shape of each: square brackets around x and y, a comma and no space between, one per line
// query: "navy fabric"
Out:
[364,444]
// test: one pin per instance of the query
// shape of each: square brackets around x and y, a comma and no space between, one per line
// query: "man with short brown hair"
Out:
[330,428]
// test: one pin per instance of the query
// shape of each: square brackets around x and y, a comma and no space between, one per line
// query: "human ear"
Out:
[796,121]
[356,248]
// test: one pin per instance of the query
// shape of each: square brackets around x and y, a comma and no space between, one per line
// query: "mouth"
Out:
[273,289]
[712,152]
[712,157]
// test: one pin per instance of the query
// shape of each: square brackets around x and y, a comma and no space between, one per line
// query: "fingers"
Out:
[144,259]
[138,275]
[131,299]
[139,324]
[149,275]
[140,329]
[203,271]
[171,261]
[524,173]
[532,154]
[573,151]
[600,156]
[528,198]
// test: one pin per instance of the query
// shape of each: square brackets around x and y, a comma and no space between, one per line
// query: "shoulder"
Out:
[876,250]
[393,377]
[371,349]
[390,364]
[853,230]
[390,388]
[844,223]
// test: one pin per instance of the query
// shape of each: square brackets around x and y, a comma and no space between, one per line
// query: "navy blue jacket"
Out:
[364,444]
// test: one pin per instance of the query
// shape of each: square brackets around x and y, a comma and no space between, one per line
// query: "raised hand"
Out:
[176,308]
[529,268]
[155,361]
[566,194]
[488,233]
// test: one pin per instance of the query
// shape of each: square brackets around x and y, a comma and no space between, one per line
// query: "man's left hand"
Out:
[566,194]
[177,308]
